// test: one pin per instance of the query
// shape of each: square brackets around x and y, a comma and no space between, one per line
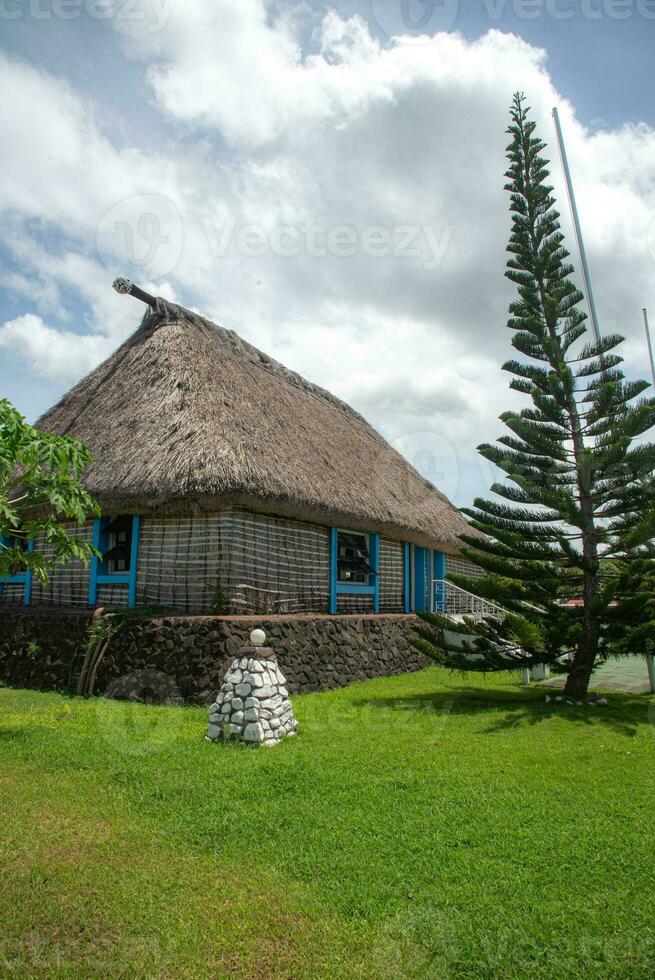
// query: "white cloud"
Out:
[351,133]
[51,353]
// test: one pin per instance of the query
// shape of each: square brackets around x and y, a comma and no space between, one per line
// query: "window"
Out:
[117,540]
[116,544]
[353,558]
[11,543]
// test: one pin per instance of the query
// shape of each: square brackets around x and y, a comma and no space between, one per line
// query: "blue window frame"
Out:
[117,539]
[439,576]
[407,580]
[20,578]
[354,565]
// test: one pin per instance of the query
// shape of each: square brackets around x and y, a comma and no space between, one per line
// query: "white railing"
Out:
[450,600]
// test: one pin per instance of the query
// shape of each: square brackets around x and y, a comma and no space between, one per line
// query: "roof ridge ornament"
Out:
[127,287]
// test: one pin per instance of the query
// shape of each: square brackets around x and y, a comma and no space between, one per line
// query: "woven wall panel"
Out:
[459,566]
[262,564]
[67,585]
[392,576]
[354,603]
[12,594]
[179,563]
[112,595]
[272,565]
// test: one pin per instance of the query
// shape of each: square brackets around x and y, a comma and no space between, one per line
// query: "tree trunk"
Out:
[577,683]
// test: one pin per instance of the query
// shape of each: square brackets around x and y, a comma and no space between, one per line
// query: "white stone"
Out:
[237,718]
[255,667]
[213,731]
[281,679]
[265,692]
[237,704]
[244,663]
[275,722]
[258,638]
[251,714]
[234,677]
[264,713]
[235,729]
[602,701]
[243,689]
[225,710]
[252,702]
[253,732]
[256,680]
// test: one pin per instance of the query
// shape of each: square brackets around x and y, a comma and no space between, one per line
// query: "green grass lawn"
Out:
[417,826]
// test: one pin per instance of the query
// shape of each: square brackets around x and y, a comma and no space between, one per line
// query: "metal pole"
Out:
[650,661]
[650,345]
[576,226]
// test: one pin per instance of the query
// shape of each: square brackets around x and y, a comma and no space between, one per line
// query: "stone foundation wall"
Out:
[184,658]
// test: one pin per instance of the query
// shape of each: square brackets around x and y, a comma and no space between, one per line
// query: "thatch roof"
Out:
[185,417]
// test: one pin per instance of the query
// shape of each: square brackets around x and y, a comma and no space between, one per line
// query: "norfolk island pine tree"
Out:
[567,550]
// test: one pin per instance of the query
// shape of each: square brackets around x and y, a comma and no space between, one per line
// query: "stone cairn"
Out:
[253,704]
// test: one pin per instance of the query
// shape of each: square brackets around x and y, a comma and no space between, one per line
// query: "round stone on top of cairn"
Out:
[253,704]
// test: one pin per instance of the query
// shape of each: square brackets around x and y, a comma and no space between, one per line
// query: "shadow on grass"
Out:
[16,734]
[625,714]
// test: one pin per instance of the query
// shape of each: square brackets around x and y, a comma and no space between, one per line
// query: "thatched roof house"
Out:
[228,461]
[185,417]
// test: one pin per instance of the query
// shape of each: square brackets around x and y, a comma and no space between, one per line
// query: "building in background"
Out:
[229,484]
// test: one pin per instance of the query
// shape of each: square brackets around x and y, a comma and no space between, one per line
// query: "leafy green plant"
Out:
[33,650]
[39,491]
[221,601]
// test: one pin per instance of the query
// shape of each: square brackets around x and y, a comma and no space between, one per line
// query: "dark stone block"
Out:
[314,653]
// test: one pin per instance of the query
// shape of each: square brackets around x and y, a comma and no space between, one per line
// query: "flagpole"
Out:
[650,661]
[576,226]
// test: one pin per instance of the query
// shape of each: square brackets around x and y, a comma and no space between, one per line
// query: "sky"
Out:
[327,180]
